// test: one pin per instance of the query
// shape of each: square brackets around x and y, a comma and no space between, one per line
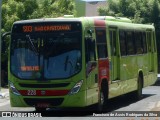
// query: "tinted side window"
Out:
[154,42]
[149,41]
[138,43]
[102,51]
[112,35]
[122,39]
[90,50]
[144,42]
[130,43]
[101,43]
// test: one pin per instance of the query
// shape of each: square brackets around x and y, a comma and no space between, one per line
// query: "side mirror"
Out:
[90,32]
[3,41]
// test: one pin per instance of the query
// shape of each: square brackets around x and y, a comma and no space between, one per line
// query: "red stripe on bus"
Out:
[43,92]
[99,23]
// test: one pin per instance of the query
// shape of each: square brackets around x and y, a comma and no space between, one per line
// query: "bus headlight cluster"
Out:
[13,89]
[76,88]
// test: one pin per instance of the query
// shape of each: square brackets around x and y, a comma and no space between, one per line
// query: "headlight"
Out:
[76,88]
[13,89]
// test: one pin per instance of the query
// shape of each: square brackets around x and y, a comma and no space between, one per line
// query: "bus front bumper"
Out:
[75,100]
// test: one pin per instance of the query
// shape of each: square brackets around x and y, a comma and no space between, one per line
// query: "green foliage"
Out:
[13,10]
[103,11]
[54,8]
[155,16]
[140,11]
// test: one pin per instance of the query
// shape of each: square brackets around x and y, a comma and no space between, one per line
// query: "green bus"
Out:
[78,62]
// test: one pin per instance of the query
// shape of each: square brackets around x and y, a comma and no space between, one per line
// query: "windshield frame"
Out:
[45,35]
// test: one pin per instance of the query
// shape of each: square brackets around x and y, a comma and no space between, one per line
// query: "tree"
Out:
[155,14]
[14,10]
[140,11]
[54,8]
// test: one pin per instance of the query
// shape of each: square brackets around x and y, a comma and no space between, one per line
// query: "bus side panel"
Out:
[142,61]
[17,101]
[128,72]
[152,57]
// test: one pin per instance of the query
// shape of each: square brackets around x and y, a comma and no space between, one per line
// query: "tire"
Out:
[103,99]
[138,92]
[101,102]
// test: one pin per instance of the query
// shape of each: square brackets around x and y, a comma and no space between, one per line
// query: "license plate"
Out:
[43,105]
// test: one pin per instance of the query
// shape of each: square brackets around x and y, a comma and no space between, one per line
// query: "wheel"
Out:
[103,99]
[138,92]
[101,102]
[140,86]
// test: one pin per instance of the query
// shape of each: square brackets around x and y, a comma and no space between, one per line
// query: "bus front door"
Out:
[91,71]
[115,60]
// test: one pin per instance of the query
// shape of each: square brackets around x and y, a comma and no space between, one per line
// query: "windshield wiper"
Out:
[66,63]
[32,45]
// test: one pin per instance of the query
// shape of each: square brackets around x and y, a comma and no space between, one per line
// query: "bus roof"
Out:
[120,22]
[128,26]
[72,18]
[46,20]
[111,18]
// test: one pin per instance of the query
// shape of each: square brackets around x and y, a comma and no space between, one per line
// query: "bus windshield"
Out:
[46,55]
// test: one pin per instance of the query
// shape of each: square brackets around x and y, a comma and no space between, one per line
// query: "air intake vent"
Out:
[44,85]
[51,101]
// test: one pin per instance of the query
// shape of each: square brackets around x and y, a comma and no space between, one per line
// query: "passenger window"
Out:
[130,43]
[154,42]
[144,42]
[112,35]
[149,41]
[90,50]
[101,43]
[102,51]
[122,43]
[139,43]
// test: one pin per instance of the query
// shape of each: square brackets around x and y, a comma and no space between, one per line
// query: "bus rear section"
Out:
[46,65]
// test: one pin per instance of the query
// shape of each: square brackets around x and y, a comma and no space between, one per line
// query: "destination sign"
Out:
[30,68]
[46,28]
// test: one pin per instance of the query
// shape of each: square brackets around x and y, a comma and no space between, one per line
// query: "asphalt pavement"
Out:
[4,92]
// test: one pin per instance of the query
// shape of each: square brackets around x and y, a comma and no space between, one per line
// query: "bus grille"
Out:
[44,85]
[51,101]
